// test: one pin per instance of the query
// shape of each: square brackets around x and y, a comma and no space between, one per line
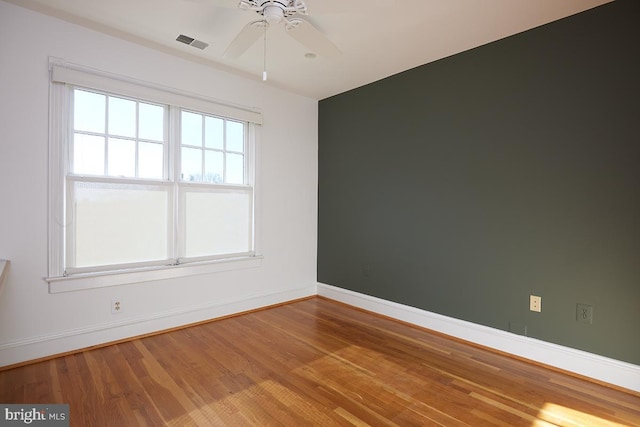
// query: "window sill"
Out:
[114,278]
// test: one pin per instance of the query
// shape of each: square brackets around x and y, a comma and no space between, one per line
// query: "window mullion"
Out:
[137,141]
[224,152]
[106,136]
[70,238]
[250,177]
[174,161]
[247,180]
[203,151]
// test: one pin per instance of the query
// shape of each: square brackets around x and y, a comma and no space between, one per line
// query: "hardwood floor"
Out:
[312,362]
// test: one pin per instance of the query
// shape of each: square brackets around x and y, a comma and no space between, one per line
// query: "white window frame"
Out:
[66,76]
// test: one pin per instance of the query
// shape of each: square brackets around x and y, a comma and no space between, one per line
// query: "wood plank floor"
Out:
[312,362]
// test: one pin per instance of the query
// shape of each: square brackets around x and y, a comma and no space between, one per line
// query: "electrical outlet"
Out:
[116,306]
[584,313]
[535,303]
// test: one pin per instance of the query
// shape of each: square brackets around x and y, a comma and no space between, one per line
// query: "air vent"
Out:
[192,42]
[199,44]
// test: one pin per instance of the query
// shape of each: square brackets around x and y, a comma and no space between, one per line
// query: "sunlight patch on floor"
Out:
[562,416]
[249,406]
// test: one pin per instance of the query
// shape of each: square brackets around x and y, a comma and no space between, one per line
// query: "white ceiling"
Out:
[377,38]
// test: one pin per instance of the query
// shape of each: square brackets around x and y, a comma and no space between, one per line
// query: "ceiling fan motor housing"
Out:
[274,11]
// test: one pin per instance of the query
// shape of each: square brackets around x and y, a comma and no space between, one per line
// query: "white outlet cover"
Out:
[535,303]
[116,306]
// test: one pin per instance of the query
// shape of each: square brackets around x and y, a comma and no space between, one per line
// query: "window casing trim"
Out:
[58,279]
[77,75]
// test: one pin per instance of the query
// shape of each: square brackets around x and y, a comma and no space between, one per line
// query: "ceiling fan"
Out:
[275,12]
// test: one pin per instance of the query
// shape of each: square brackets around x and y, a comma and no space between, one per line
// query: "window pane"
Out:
[88,111]
[214,166]
[191,164]
[214,133]
[88,154]
[122,117]
[121,157]
[235,136]
[150,160]
[117,224]
[217,223]
[235,169]
[151,122]
[191,128]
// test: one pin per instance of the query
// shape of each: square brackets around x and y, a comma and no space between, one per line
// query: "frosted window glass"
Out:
[217,223]
[88,154]
[118,224]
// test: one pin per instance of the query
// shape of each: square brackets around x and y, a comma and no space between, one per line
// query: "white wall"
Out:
[35,323]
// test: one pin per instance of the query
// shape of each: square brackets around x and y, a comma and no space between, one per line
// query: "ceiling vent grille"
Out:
[192,42]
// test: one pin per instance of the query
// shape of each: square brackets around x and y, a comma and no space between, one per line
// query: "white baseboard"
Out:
[615,372]
[33,348]
[600,368]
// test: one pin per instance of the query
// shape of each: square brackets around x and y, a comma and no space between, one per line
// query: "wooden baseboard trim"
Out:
[65,341]
[595,368]
[149,334]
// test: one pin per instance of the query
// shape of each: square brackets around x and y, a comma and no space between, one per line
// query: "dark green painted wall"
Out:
[463,186]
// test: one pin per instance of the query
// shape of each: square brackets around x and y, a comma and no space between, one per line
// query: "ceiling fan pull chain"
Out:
[264,64]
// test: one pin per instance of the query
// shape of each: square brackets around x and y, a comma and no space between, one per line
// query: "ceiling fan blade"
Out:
[312,38]
[245,38]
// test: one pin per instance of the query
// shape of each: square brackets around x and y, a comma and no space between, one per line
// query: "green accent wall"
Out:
[463,186]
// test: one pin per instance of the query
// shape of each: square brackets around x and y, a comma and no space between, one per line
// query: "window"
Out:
[146,178]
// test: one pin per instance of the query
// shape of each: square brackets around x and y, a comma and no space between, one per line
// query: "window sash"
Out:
[203,149]
[241,234]
[73,221]
[110,139]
